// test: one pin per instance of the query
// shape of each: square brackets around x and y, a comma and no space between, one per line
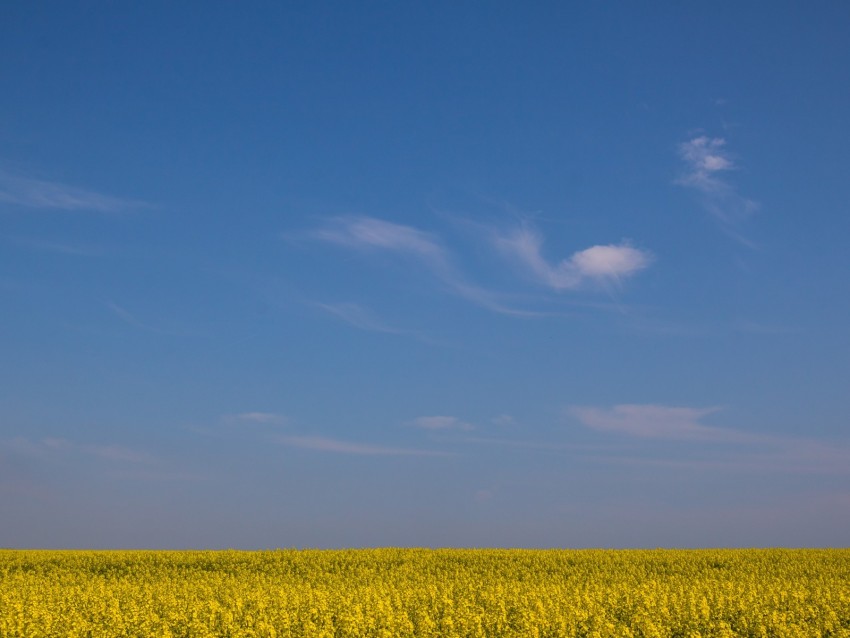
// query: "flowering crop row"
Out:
[419,592]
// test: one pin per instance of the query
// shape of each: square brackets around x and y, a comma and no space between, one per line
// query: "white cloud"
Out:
[651,421]
[36,193]
[441,423]
[599,263]
[706,159]
[324,444]
[611,261]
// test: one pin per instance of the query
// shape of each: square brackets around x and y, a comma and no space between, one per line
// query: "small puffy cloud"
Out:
[608,262]
[441,423]
[612,261]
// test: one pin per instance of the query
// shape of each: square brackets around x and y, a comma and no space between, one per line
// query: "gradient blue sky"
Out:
[429,274]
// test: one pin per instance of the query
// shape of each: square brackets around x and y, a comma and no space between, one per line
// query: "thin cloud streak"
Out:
[790,457]
[158,476]
[743,450]
[338,446]
[264,418]
[116,453]
[441,423]
[369,233]
[706,159]
[42,194]
[362,318]
[359,317]
[54,445]
[130,319]
[110,460]
[542,446]
[59,248]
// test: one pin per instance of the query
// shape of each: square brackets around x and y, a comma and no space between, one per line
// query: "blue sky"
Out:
[436,274]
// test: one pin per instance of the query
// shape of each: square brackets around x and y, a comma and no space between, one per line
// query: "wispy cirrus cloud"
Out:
[612,262]
[28,192]
[706,160]
[111,452]
[600,264]
[441,423]
[338,446]
[263,418]
[130,319]
[732,448]
[55,445]
[59,247]
[111,460]
[706,157]
[362,318]
[370,233]
[651,421]
[358,316]
[134,321]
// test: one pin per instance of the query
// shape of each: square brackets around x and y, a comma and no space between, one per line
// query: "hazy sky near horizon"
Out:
[424,274]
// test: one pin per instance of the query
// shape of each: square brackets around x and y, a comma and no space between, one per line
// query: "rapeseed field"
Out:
[419,592]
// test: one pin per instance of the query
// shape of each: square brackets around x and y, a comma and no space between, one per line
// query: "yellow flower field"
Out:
[420,592]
